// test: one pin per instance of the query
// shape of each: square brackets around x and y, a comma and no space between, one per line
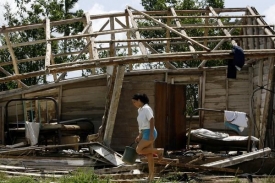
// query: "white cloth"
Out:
[236,118]
[145,114]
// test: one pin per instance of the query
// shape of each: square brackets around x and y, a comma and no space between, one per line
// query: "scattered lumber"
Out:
[239,159]
[199,167]
[125,168]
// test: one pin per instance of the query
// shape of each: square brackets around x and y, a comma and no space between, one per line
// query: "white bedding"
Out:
[220,136]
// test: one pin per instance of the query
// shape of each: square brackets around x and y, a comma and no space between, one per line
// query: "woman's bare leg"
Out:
[150,167]
[146,147]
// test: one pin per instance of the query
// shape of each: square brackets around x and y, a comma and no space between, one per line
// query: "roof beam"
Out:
[171,29]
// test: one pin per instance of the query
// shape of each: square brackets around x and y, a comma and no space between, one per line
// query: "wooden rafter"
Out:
[181,56]
[249,19]
[171,29]
[191,48]
[13,57]
[92,51]
[260,22]
[9,74]
[136,33]
[168,64]
[202,64]
[48,43]
[204,16]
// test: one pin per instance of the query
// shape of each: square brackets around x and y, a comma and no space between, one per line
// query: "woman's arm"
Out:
[152,126]
[138,137]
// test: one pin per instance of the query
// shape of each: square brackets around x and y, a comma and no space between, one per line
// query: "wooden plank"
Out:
[145,44]
[124,168]
[9,74]
[199,167]
[201,113]
[137,34]
[107,154]
[182,31]
[215,85]
[14,59]
[267,101]
[184,78]
[169,28]
[258,95]
[83,90]
[93,54]
[267,30]
[161,113]
[92,97]
[32,174]
[48,43]
[45,93]
[239,159]
[114,105]
[202,64]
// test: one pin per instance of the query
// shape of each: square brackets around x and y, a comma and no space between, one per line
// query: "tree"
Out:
[37,13]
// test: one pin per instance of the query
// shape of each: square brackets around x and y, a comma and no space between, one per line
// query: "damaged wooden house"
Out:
[148,52]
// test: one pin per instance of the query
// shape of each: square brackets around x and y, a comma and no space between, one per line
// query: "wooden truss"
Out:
[251,24]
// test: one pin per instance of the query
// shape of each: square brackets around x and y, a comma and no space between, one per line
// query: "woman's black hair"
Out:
[142,97]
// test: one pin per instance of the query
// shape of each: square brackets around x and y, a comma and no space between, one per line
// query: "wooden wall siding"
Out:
[184,79]
[222,93]
[84,100]
[45,110]
[215,97]
[260,67]
[239,92]
[12,107]
[126,127]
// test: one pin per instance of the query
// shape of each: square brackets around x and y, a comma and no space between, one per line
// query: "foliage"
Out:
[37,13]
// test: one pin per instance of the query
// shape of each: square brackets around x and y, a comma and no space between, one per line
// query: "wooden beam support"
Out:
[171,29]
[48,43]
[267,101]
[136,33]
[9,74]
[13,57]
[90,44]
[92,48]
[204,16]
[260,22]
[167,65]
[191,48]
[180,56]
[129,33]
[114,105]
[202,64]
[259,96]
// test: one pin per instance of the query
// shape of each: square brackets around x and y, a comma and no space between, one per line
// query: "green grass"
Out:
[79,176]
[88,176]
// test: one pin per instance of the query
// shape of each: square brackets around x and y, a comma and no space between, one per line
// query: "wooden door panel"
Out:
[160,113]
[170,106]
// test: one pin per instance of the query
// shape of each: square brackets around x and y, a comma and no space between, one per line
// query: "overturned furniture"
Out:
[37,112]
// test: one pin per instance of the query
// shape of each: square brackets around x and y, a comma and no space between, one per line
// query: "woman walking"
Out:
[147,132]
